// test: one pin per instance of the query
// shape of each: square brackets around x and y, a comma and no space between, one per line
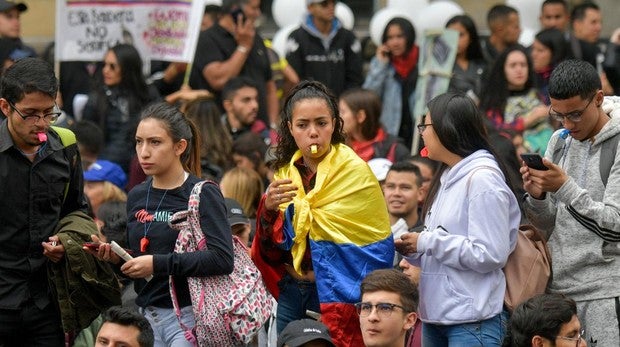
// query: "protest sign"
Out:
[159,29]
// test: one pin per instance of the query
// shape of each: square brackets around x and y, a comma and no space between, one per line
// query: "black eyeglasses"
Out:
[33,118]
[574,116]
[577,339]
[422,127]
[384,309]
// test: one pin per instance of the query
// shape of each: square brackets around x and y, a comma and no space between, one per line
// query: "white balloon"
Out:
[436,15]
[409,7]
[379,21]
[280,39]
[345,15]
[527,36]
[287,12]
[529,12]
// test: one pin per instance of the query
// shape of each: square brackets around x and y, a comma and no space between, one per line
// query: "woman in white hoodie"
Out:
[471,219]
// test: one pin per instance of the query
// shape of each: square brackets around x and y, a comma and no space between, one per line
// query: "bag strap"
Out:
[608,156]
[67,138]
[193,213]
[609,149]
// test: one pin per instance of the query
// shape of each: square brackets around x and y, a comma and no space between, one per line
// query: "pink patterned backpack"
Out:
[229,309]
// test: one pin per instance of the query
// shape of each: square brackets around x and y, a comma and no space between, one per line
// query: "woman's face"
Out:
[350,123]
[515,70]
[431,140]
[94,191]
[156,151]
[464,38]
[396,41]
[312,124]
[541,56]
[111,70]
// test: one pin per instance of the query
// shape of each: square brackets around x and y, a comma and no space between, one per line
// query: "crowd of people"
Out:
[312,158]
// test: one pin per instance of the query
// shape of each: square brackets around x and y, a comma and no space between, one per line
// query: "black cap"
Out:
[302,331]
[7,5]
[235,213]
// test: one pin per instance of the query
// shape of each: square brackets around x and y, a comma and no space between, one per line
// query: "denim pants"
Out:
[489,332]
[166,326]
[295,298]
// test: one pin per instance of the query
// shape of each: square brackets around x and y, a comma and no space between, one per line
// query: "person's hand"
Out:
[407,244]
[615,37]
[186,95]
[104,252]
[139,267]
[538,114]
[538,182]
[245,32]
[279,192]
[53,249]
[383,53]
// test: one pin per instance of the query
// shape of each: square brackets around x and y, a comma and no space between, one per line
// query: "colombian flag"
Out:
[344,221]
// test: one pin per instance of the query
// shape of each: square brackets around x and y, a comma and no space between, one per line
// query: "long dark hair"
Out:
[496,93]
[179,127]
[368,101]
[460,129]
[303,91]
[474,50]
[555,41]
[407,28]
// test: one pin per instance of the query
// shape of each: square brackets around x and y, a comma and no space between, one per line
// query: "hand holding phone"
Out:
[93,246]
[534,161]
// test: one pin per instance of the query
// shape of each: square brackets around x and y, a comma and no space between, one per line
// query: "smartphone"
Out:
[235,13]
[534,161]
[93,246]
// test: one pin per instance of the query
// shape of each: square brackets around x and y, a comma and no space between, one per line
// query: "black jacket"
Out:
[32,202]
[335,59]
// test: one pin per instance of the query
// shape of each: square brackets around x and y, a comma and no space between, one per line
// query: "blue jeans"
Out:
[489,332]
[166,326]
[295,298]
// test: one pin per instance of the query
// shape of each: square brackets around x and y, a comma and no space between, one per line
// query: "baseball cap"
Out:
[7,5]
[302,331]
[235,213]
[380,167]
[103,170]
[310,2]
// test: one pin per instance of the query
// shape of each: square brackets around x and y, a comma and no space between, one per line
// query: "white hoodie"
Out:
[471,229]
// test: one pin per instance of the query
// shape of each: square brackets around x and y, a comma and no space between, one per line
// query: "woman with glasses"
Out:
[510,100]
[117,100]
[463,247]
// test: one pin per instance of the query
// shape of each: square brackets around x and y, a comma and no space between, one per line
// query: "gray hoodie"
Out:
[582,219]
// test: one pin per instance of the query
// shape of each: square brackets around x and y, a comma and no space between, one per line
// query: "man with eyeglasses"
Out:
[387,310]
[40,182]
[545,320]
[322,49]
[572,204]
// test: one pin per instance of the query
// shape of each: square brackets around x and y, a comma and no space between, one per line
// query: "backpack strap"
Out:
[608,156]
[67,138]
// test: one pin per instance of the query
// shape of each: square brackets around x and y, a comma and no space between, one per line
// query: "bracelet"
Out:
[242,49]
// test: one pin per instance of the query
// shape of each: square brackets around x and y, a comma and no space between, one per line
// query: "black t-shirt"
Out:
[151,217]
[216,44]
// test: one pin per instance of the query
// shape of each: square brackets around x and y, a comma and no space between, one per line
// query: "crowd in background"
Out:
[242,122]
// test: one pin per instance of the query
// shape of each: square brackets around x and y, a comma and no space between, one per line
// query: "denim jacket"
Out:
[381,79]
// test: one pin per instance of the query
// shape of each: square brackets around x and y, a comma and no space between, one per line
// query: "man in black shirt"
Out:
[40,182]
[232,48]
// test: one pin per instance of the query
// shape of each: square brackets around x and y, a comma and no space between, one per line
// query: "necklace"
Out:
[144,241]
[41,148]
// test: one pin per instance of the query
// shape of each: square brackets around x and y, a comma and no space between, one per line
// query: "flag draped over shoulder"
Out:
[347,222]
